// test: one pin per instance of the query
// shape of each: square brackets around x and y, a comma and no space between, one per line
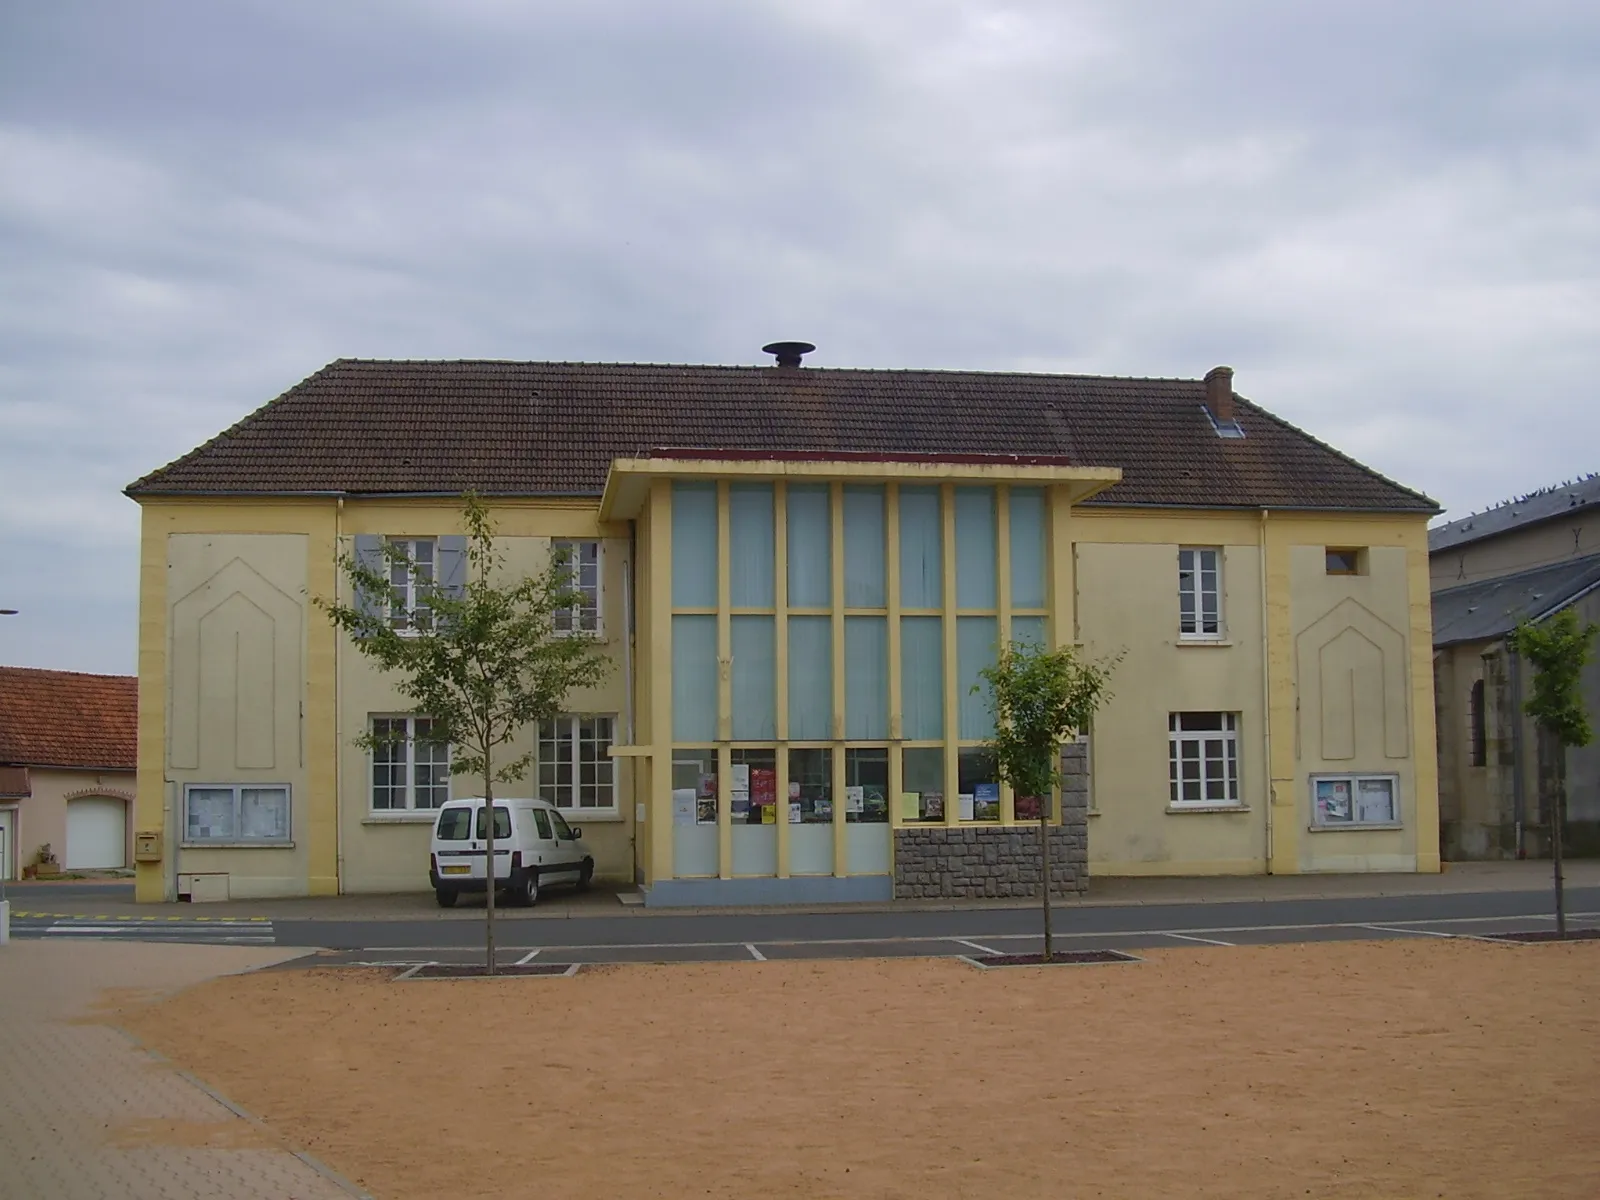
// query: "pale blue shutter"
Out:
[864,570]
[755,680]
[750,545]
[922,677]
[810,547]
[694,545]
[810,678]
[1030,631]
[921,560]
[370,557]
[1027,548]
[866,678]
[975,548]
[975,650]
[694,679]
[452,566]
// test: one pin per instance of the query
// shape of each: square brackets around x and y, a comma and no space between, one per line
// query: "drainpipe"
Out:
[1519,807]
[1266,682]
[173,819]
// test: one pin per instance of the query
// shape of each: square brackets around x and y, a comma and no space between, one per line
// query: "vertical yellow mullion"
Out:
[836,554]
[780,641]
[952,700]
[1063,621]
[1002,558]
[891,528]
[1063,587]
[724,685]
[659,813]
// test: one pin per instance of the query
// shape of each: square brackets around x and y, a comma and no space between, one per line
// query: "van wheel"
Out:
[586,875]
[445,896]
[527,890]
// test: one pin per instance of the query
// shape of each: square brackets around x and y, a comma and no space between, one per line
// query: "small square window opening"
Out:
[1346,560]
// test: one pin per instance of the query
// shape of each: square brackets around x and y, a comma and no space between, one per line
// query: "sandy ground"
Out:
[1393,1069]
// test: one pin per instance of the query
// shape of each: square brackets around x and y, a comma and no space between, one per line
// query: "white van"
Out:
[534,847]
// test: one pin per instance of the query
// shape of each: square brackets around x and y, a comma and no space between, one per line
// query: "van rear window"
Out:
[502,823]
[455,825]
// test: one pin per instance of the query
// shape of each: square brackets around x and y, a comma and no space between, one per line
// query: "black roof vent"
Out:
[788,354]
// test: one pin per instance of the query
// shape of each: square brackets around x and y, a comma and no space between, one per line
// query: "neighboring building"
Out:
[67,756]
[1523,560]
[798,575]
[1556,525]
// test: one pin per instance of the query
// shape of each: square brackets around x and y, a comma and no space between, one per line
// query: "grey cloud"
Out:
[1382,215]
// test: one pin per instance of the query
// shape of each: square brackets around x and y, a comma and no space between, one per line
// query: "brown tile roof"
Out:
[511,428]
[63,719]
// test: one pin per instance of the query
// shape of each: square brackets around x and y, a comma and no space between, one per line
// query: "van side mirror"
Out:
[576,831]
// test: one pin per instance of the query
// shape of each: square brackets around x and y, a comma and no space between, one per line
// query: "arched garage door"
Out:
[97,833]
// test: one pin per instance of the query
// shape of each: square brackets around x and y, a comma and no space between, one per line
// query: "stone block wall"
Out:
[935,862]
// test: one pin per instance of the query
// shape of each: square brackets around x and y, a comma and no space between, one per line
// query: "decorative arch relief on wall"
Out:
[1351,666]
[236,671]
[110,793]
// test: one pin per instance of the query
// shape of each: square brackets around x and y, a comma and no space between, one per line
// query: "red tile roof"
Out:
[553,429]
[64,719]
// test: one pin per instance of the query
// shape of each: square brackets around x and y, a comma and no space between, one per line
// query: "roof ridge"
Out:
[69,674]
[686,366]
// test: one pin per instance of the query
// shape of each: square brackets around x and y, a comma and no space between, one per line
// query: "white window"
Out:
[583,567]
[1203,758]
[411,579]
[236,813]
[575,767]
[409,769]
[1200,591]
[1345,801]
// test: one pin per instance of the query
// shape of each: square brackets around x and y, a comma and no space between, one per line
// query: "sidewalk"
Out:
[87,1115]
[104,901]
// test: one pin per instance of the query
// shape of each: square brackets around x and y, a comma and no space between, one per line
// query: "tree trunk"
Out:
[488,911]
[1044,860]
[1557,819]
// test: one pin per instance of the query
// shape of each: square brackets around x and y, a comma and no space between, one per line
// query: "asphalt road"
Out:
[703,937]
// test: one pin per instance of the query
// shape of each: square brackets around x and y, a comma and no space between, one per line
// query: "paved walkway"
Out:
[107,900]
[87,1115]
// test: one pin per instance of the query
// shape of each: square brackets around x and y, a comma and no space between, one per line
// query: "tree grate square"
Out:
[1544,935]
[477,970]
[1061,958]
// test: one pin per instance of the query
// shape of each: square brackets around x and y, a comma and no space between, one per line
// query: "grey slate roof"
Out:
[1516,514]
[1476,612]
[542,429]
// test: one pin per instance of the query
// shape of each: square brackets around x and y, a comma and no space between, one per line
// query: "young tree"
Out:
[480,656]
[1559,648]
[1040,698]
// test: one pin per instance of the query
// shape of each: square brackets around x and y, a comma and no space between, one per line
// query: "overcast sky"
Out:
[1383,215]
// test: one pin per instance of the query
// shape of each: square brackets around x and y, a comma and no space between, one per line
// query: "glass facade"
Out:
[824,674]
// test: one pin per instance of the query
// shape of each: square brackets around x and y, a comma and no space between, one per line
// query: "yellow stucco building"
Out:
[797,574]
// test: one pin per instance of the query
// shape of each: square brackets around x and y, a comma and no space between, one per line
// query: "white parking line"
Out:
[975,945]
[1418,932]
[1190,933]
[528,957]
[1189,937]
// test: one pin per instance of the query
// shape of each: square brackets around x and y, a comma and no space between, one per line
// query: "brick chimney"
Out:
[1219,394]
